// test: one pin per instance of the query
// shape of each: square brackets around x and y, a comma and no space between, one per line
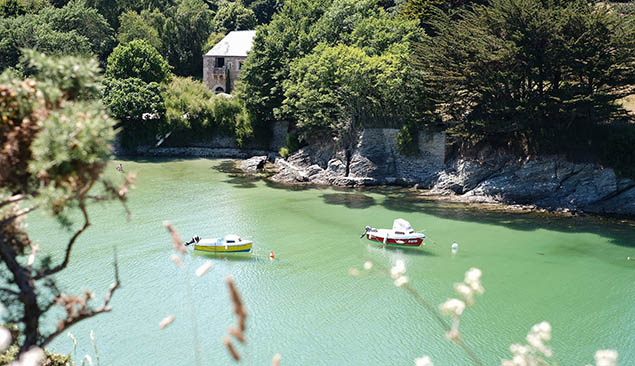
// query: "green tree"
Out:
[12,8]
[188,25]
[137,59]
[294,33]
[232,16]
[263,9]
[138,106]
[28,31]
[59,136]
[335,90]
[75,16]
[72,30]
[274,48]
[134,26]
[529,71]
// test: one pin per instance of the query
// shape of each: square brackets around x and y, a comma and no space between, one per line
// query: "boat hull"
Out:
[242,248]
[400,242]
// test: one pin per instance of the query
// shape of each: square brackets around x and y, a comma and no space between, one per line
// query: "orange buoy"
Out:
[271,255]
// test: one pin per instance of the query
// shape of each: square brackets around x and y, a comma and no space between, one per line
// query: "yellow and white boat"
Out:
[226,244]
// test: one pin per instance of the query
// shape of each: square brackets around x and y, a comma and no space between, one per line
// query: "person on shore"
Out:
[119,168]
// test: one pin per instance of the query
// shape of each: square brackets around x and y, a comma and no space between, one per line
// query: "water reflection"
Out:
[349,200]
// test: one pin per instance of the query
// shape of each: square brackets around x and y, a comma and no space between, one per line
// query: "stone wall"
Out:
[217,146]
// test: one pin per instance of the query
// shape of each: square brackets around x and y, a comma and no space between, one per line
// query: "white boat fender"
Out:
[385,239]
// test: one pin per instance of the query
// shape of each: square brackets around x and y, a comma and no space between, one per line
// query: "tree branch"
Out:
[12,199]
[28,298]
[75,315]
[17,214]
[69,247]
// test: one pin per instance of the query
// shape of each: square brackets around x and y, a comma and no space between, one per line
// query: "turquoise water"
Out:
[304,305]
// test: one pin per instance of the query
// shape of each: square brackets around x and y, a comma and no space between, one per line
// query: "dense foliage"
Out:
[194,113]
[233,16]
[137,105]
[530,72]
[72,30]
[329,65]
[137,59]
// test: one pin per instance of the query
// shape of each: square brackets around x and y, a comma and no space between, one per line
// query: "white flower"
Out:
[402,280]
[453,307]
[368,265]
[5,339]
[423,361]
[465,291]
[606,357]
[473,279]
[398,269]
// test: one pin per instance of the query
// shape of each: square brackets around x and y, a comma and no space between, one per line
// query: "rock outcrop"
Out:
[548,182]
[373,160]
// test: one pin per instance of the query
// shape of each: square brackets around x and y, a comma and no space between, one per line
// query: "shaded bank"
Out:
[490,176]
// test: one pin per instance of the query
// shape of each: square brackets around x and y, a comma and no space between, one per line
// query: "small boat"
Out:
[227,244]
[401,234]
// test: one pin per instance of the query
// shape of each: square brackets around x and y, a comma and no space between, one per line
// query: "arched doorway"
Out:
[219,89]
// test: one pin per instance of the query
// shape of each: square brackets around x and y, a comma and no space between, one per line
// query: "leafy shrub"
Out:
[244,127]
[137,59]
[284,152]
[193,112]
[139,106]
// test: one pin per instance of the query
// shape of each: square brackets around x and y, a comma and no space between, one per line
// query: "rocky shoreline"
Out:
[549,183]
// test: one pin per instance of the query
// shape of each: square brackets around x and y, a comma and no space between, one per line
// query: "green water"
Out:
[571,272]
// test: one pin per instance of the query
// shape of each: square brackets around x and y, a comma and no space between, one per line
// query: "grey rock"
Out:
[253,165]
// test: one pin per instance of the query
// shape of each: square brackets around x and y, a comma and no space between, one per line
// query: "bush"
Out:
[284,152]
[139,106]
[137,59]
[193,112]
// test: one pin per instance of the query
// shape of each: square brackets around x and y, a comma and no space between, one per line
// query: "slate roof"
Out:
[236,43]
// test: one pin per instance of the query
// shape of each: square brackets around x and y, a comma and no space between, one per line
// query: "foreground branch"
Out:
[75,314]
[69,247]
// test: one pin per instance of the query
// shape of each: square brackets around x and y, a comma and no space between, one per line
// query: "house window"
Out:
[220,62]
[229,65]
[240,65]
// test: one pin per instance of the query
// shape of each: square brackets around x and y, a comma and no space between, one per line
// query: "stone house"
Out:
[222,64]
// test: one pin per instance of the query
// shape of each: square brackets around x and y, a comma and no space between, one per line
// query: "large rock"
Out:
[254,165]
[549,182]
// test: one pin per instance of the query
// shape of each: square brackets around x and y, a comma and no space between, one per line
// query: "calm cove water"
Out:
[571,272]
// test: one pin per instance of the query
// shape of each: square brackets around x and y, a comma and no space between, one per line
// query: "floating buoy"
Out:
[455,246]
[271,255]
